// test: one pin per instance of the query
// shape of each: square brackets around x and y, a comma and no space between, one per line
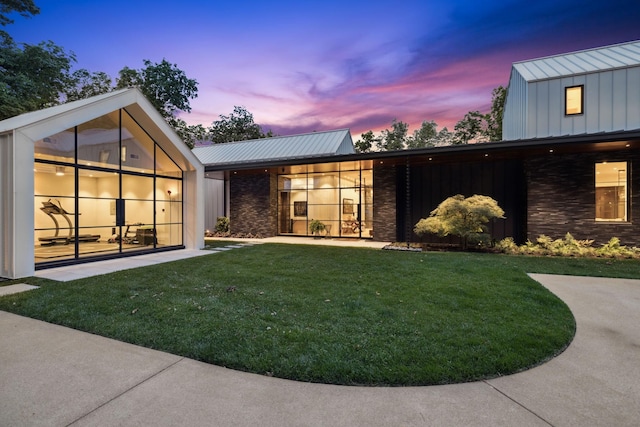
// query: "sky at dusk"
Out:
[301,66]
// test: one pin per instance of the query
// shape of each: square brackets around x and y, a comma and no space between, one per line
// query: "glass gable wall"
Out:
[104,188]
[340,195]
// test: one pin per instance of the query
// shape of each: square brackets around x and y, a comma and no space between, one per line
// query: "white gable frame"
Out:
[17,138]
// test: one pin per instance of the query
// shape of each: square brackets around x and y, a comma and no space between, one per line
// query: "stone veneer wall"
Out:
[253,204]
[561,198]
[384,203]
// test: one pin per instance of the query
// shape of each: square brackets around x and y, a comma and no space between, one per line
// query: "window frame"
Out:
[626,186]
[566,97]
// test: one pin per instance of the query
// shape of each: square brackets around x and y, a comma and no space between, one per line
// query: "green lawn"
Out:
[330,314]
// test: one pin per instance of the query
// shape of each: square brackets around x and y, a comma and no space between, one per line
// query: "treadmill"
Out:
[52,209]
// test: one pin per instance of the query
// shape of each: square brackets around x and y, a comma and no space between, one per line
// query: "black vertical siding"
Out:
[503,180]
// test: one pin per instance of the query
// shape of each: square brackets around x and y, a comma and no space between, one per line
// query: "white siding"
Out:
[515,109]
[214,202]
[611,77]
[611,103]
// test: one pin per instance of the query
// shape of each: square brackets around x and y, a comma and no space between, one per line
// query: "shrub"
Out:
[222,224]
[465,218]
[568,246]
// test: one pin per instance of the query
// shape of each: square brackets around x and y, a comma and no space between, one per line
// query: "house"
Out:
[570,140]
[248,213]
[98,178]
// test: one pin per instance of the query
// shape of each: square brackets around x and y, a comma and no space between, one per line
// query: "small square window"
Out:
[573,100]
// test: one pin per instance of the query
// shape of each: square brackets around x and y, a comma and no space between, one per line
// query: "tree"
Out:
[25,8]
[190,134]
[366,142]
[84,84]
[165,85]
[494,117]
[395,138]
[238,126]
[425,136]
[465,218]
[469,128]
[444,137]
[32,77]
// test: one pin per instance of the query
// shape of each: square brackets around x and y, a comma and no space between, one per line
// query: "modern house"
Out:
[98,178]
[571,135]
[107,177]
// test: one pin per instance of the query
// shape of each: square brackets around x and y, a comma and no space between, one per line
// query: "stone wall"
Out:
[561,198]
[253,204]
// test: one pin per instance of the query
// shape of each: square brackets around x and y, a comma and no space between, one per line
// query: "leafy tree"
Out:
[164,84]
[478,127]
[32,77]
[426,136]
[469,128]
[366,142]
[128,77]
[395,138]
[465,218]
[190,134]
[444,137]
[238,126]
[25,8]
[494,117]
[84,84]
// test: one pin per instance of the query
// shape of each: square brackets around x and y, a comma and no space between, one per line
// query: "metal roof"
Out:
[309,145]
[586,61]
[486,150]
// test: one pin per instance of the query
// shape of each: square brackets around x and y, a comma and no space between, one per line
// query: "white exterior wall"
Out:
[214,201]
[193,214]
[515,109]
[16,206]
[611,103]
[6,205]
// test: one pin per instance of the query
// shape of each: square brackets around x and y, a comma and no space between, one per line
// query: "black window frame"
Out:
[566,90]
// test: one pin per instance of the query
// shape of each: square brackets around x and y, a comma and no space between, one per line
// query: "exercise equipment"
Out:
[52,209]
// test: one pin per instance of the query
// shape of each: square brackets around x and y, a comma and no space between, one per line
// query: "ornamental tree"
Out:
[462,217]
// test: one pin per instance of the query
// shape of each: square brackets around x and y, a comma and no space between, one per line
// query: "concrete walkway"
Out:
[55,376]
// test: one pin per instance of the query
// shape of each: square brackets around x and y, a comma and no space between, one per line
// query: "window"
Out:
[611,191]
[104,204]
[573,100]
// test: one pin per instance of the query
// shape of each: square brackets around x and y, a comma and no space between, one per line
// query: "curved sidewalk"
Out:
[55,376]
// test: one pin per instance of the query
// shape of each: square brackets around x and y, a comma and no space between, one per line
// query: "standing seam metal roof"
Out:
[316,144]
[586,61]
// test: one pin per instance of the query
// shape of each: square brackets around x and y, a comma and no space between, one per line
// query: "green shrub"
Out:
[568,246]
[465,218]
[222,224]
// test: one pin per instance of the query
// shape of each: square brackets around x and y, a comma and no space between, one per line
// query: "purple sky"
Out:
[301,66]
